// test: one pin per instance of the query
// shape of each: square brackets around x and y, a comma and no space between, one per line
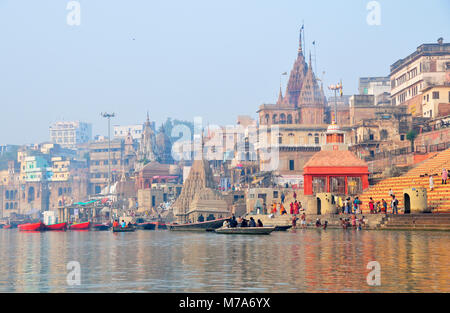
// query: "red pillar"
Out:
[328,183]
[346,185]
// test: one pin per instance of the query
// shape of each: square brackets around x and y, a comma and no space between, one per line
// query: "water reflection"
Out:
[162,261]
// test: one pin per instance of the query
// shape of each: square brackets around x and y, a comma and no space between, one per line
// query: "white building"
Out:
[426,67]
[122,131]
[69,134]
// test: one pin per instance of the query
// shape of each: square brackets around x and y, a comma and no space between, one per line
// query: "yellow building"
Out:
[436,101]
[60,168]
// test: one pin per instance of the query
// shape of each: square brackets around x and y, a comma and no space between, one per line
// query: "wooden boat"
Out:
[246,230]
[6,226]
[101,227]
[282,228]
[80,226]
[161,225]
[123,229]
[201,226]
[146,226]
[59,226]
[32,226]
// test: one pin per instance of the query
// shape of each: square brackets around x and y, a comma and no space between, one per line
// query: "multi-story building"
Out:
[436,101]
[121,132]
[122,161]
[69,134]
[428,66]
[376,86]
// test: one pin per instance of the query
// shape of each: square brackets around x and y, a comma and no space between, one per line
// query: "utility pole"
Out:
[336,88]
[108,116]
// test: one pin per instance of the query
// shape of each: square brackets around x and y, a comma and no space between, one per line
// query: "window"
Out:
[337,185]
[354,185]
[291,165]
[435,94]
[275,194]
[319,184]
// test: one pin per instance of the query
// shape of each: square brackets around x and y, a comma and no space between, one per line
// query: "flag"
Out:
[314,42]
[303,26]
[285,73]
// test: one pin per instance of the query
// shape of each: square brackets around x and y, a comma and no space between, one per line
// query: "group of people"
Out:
[349,206]
[382,206]
[123,224]
[242,222]
[354,223]
[444,176]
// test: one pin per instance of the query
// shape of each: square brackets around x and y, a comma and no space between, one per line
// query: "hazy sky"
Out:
[214,59]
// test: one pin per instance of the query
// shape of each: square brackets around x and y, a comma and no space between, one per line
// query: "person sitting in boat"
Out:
[123,224]
[233,222]
[201,218]
[226,224]
[252,222]
[260,224]
[129,224]
[244,223]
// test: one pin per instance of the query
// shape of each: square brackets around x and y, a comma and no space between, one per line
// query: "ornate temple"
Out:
[304,101]
[147,148]
[199,196]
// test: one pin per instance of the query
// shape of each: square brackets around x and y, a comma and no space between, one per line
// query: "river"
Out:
[331,260]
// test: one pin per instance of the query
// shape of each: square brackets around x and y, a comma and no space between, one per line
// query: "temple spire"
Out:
[280,97]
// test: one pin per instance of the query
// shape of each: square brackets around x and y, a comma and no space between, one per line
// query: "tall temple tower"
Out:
[304,102]
[147,148]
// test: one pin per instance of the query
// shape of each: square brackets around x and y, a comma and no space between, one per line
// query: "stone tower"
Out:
[199,196]
[147,147]
[296,78]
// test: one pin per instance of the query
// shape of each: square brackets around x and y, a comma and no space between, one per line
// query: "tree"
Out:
[411,136]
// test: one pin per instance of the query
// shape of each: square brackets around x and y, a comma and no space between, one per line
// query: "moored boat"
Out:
[282,228]
[146,226]
[32,226]
[80,226]
[59,226]
[245,230]
[200,226]
[101,227]
[123,229]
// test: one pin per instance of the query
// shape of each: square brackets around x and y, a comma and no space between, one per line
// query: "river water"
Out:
[333,260]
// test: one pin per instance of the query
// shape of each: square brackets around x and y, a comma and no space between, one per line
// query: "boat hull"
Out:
[146,226]
[123,229]
[203,226]
[101,227]
[282,228]
[80,226]
[59,226]
[32,227]
[246,230]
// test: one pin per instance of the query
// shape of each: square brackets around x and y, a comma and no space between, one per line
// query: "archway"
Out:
[407,202]
[30,194]
[319,206]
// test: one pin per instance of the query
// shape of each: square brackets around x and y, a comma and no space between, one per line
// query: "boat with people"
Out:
[121,229]
[199,226]
[246,230]
[58,226]
[80,226]
[32,226]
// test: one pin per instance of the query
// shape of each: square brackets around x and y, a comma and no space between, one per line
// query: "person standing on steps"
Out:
[431,183]
[444,176]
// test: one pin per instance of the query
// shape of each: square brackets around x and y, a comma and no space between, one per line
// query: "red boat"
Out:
[59,226]
[32,226]
[80,226]
[6,226]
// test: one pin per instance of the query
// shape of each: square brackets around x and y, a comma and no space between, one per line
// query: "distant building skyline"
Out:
[185,59]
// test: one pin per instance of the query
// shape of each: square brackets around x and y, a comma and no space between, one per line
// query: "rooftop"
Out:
[338,158]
